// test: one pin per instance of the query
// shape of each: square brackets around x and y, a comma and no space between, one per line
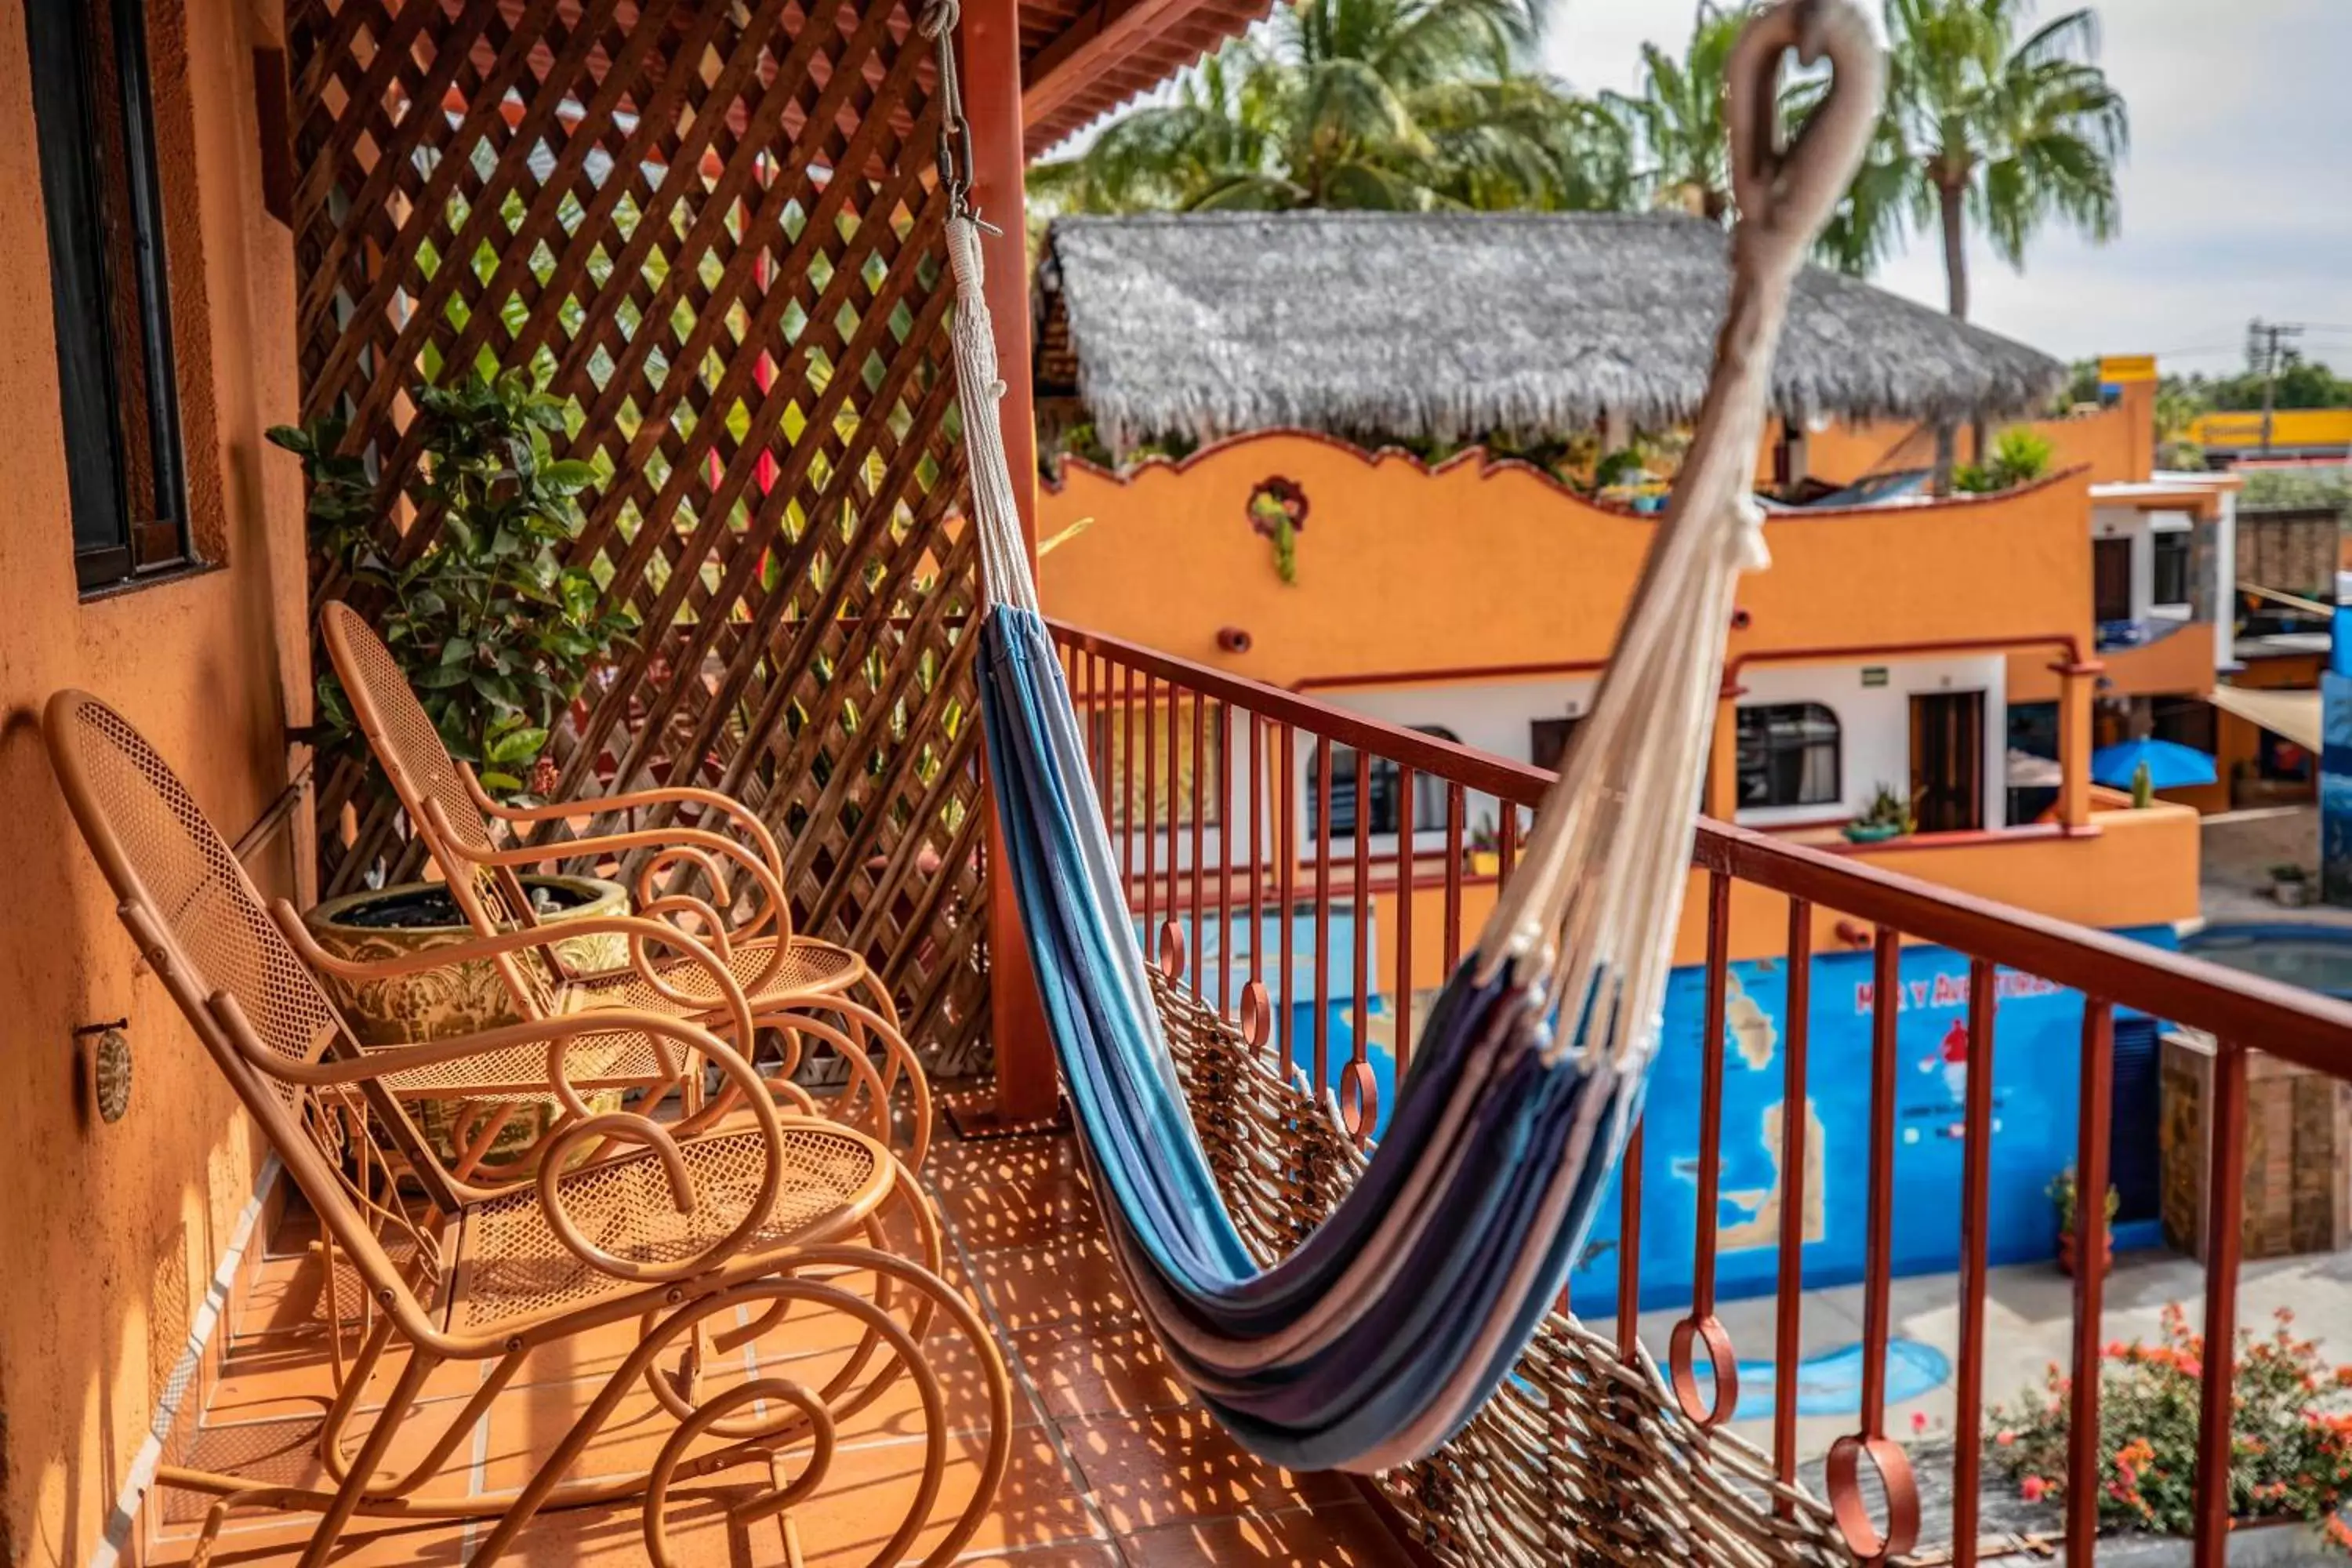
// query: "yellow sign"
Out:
[2116,369]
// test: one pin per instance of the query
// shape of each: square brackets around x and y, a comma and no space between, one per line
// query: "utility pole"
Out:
[2263,353]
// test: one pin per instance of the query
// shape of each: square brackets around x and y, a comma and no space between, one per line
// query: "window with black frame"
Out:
[1788,755]
[94,121]
[2171,564]
[1381,778]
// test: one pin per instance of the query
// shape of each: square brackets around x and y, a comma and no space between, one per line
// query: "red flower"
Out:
[2005,1438]
[2033,1488]
[1919,1421]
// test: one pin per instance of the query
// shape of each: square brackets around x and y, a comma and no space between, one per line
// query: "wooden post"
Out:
[988,48]
[2076,686]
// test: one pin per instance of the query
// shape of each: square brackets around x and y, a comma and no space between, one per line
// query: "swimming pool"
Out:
[2315,957]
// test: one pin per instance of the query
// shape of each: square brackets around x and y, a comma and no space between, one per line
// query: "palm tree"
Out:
[1685,145]
[1390,104]
[1983,129]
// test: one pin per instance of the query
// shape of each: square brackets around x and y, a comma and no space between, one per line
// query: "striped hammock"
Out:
[1380,1336]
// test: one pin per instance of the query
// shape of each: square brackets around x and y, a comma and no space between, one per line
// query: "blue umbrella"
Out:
[2170,765]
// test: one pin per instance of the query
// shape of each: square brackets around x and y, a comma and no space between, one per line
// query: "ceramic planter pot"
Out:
[461,998]
[1870,832]
[2066,1252]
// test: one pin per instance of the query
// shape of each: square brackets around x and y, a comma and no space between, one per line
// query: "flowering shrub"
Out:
[2291,1435]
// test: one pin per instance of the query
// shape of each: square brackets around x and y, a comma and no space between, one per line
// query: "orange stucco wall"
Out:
[2178,665]
[2116,444]
[1408,572]
[112,1232]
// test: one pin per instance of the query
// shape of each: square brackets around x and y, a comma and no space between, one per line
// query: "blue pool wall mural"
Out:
[2037,1062]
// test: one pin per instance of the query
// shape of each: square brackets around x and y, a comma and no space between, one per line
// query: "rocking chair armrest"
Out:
[761,835]
[641,933]
[710,852]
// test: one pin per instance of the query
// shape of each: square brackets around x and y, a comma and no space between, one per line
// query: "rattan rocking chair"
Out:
[748,1217]
[797,985]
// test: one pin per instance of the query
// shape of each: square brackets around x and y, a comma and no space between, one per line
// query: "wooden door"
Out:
[2111,574]
[1947,761]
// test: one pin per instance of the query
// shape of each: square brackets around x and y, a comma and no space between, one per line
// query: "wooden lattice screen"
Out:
[713,228]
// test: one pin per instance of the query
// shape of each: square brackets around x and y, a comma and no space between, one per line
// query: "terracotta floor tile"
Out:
[1341,1536]
[1016,1194]
[283,1451]
[1171,1466]
[1069,1282]
[1068,1555]
[1098,1369]
[869,1490]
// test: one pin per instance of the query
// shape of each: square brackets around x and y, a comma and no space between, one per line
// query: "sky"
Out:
[2237,196]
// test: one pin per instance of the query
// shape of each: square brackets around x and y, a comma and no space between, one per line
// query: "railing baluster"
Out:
[1700,1328]
[1200,830]
[1126,781]
[1508,843]
[2225,1182]
[1173,761]
[1322,914]
[1878,1248]
[1975,1197]
[1863,1536]
[2090,1279]
[1225,860]
[1787,1322]
[1629,1249]
[1151,816]
[1453,852]
[1256,847]
[1405,878]
[1286,871]
[1361,1021]
[1098,731]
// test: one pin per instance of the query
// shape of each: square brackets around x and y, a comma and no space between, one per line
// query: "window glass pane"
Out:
[1787,755]
[111,301]
[2171,586]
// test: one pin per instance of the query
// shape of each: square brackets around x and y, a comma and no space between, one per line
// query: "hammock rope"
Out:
[1380,1336]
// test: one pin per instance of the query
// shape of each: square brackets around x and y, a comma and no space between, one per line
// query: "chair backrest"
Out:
[408,746]
[206,930]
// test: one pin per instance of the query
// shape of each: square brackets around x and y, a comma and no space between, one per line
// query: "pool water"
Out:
[2314,957]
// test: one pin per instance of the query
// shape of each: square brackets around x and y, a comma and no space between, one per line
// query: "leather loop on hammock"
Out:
[1383,1333]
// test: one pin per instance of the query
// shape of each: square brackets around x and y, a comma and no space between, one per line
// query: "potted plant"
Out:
[2290,886]
[2063,1196]
[1485,849]
[494,626]
[2289,1428]
[409,917]
[1888,815]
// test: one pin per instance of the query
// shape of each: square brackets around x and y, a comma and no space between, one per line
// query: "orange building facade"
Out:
[115,1230]
[1883,651]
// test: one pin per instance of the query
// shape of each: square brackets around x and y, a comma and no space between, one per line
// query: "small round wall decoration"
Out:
[1278,510]
[110,1070]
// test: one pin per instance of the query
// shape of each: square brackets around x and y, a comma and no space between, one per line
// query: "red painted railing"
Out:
[1273,847]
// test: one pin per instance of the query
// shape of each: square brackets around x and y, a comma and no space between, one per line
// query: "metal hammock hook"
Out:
[937,22]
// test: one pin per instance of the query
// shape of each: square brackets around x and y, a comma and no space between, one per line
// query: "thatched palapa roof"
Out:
[1447,326]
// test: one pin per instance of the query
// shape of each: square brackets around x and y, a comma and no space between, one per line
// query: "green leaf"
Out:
[501,781]
[519,745]
[440,676]
[569,476]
